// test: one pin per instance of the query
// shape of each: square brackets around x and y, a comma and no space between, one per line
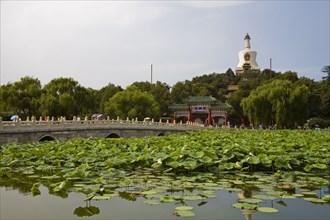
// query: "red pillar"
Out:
[209,118]
[190,119]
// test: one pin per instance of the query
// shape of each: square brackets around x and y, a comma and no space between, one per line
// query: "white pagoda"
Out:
[247,58]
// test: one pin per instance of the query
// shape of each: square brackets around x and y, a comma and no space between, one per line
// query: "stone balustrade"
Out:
[42,130]
[77,122]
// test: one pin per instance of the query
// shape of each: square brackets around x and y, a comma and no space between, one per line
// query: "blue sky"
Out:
[101,42]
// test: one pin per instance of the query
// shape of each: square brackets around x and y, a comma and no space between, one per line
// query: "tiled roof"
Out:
[200,99]
[232,87]
[221,105]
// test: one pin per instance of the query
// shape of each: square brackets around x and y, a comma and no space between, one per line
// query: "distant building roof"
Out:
[199,99]
[221,105]
[179,106]
[232,87]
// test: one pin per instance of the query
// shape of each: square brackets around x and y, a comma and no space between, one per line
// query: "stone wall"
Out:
[27,131]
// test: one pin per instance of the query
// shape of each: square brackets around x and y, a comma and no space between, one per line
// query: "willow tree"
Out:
[279,102]
[132,103]
[66,97]
[21,97]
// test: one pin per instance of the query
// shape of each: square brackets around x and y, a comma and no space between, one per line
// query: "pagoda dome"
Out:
[247,58]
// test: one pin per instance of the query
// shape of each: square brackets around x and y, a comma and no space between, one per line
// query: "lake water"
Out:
[17,204]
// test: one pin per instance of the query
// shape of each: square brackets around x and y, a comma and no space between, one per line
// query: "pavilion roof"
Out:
[179,106]
[191,99]
[221,105]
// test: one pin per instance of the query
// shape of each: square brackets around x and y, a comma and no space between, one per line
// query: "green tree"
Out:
[87,101]
[65,97]
[267,74]
[232,76]
[160,91]
[21,97]
[244,89]
[278,101]
[325,94]
[8,100]
[180,91]
[288,75]
[326,69]
[132,103]
[104,94]
[314,100]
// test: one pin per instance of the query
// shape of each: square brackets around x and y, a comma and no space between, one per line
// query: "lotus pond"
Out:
[209,174]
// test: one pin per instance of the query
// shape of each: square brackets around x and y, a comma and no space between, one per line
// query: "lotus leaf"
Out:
[149,192]
[185,213]
[315,200]
[184,208]
[244,206]
[326,198]
[286,196]
[309,194]
[267,209]
[298,195]
[264,197]
[167,199]
[250,200]
[103,197]
[192,197]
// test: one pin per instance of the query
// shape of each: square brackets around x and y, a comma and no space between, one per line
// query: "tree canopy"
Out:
[266,97]
[279,102]
[132,103]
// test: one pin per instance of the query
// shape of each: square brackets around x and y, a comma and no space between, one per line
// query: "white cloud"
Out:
[97,42]
[213,4]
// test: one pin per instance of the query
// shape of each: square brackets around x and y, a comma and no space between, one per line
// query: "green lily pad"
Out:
[244,206]
[184,208]
[309,194]
[167,199]
[238,182]
[192,197]
[267,209]
[315,200]
[250,200]
[288,197]
[326,198]
[185,213]
[103,197]
[298,195]
[149,192]
[208,192]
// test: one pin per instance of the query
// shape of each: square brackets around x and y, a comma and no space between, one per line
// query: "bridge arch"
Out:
[160,134]
[113,135]
[46,138]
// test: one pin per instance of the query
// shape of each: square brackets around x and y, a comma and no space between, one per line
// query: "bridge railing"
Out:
[10,125]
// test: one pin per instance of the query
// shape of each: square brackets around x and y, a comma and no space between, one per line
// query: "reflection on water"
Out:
[18,201]
[88,210]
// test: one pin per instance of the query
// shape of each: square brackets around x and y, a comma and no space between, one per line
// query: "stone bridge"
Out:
[27,131]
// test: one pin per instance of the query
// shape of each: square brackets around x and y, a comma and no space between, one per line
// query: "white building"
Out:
[247,58]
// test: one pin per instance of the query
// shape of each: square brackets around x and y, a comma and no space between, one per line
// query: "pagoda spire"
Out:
[247,44]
